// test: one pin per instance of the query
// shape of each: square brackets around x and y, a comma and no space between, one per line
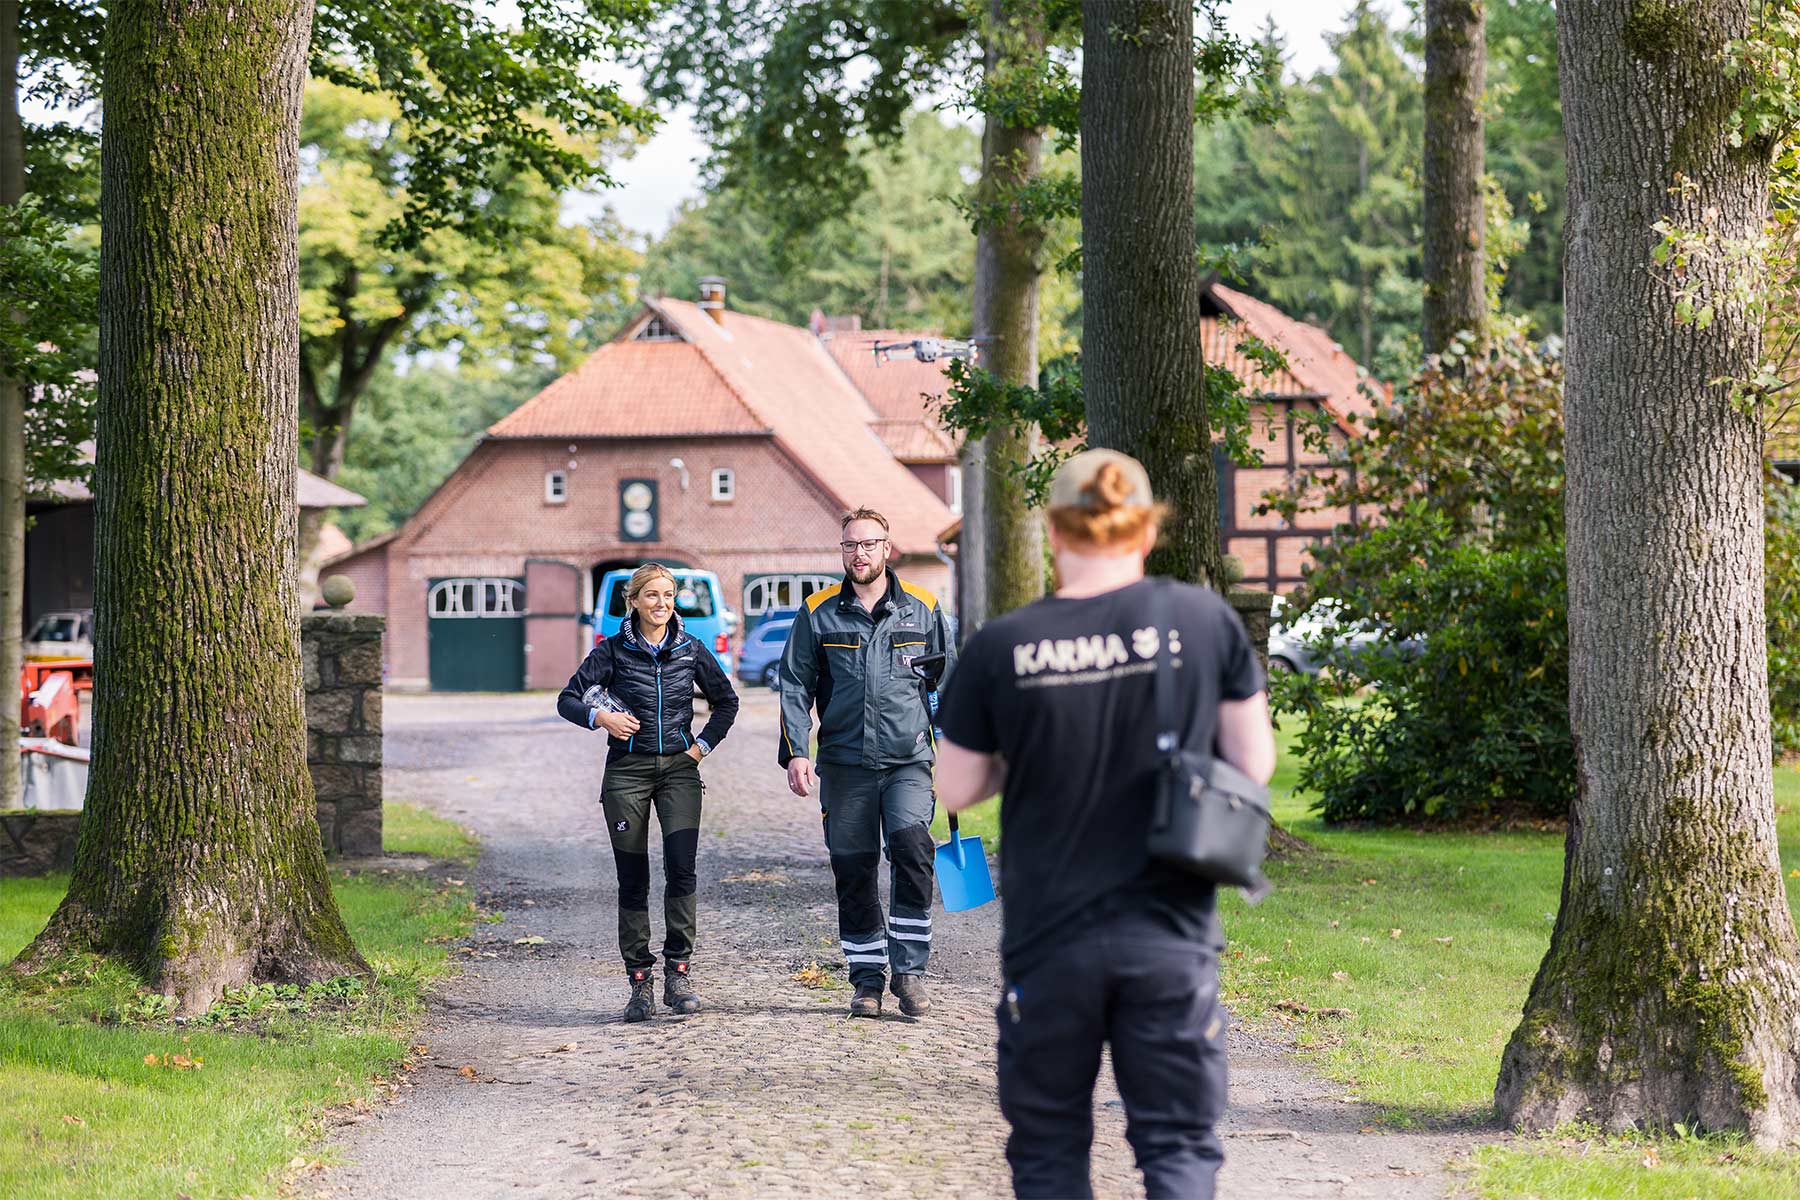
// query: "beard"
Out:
[868,574]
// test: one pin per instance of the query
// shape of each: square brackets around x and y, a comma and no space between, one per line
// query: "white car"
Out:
[1304,644]
[61,636]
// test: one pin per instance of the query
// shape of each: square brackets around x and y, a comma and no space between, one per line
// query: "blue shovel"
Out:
[962,866]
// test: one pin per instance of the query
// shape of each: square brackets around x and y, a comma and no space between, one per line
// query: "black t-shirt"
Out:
[1063,690]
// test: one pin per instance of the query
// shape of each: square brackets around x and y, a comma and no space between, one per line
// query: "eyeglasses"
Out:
[867,547]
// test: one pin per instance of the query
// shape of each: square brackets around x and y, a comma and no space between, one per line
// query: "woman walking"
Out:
[1103,946]
[638,687]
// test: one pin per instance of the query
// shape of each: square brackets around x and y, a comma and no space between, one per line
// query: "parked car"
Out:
[58,636]
[1306,643]
[698,598]
[760,659]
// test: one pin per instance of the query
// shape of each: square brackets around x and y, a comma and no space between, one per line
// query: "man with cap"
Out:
[1102,946]
[850,652]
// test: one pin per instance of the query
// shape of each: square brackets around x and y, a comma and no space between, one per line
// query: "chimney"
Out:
[712,297]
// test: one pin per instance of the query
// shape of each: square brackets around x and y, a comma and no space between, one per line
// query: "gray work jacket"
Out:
[856,666]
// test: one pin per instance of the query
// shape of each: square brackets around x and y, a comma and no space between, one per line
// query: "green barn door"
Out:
[477,634]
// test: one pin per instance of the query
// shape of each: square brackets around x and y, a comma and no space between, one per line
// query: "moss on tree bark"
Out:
[1008,266]
[1671,989]
[199,861]
[1143,371]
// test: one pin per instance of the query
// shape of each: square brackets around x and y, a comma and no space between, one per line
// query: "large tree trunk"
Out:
[200,860]
[12,439]
[1455,229]
[1008,265]
[1670,991]
[1143,373]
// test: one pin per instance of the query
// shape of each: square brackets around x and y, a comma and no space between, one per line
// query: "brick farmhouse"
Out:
[704,437]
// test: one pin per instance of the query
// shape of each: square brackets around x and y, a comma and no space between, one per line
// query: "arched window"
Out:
[476,598]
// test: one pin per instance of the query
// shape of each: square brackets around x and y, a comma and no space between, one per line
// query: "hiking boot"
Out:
[643,997]
[678,990]
[911,991]
[867,1001]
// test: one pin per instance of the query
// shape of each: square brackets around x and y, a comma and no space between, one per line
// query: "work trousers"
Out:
[859,807]
[1131,982]
[669,783]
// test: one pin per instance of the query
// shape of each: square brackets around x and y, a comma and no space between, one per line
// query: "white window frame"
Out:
[782,591]
[724,485]
[507,594]
[556,487]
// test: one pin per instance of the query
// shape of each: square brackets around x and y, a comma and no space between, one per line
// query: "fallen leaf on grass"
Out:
[174,1062]
[533,940]
[1650,1160]
[1444,941]
[69,1120]
[1395,933]
[1340,976]
[455,882]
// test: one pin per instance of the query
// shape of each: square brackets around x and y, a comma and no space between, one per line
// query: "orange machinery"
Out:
[48,707]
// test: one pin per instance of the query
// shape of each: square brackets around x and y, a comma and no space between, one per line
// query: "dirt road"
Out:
[772,1091]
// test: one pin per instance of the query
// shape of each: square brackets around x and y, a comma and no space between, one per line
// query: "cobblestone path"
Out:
[772,1091]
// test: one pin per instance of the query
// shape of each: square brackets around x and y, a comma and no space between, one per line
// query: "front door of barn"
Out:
[553,629]
[477,634]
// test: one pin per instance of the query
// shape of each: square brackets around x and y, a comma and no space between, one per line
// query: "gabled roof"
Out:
[900,390]
[1317,367]
[797,391]
[634,388]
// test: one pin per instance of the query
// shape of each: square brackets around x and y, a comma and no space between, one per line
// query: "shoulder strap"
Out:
[1168,734]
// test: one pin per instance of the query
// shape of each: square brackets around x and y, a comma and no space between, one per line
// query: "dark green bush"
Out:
[1461,711]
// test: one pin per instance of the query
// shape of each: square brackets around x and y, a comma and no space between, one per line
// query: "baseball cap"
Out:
[1066,486]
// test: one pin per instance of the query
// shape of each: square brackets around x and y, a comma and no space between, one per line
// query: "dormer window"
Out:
[657,330]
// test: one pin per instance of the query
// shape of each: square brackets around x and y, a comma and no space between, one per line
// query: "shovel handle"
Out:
[956,846]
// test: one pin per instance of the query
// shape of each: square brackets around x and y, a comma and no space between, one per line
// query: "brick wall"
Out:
[492,515]
[1274,552]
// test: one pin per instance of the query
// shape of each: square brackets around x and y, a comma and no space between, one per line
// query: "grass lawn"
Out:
[102,1094]
[1430,942]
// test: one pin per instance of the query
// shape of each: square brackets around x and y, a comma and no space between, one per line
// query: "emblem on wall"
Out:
[637,510]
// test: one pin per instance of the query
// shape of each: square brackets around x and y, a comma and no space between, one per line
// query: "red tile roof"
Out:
[900,390]
[1316,365]
[797,390]
[915,441]
[634,389]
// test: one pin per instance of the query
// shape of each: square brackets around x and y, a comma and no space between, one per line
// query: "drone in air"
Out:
[928,349]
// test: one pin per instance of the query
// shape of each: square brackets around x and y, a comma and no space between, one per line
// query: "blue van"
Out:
[698,598]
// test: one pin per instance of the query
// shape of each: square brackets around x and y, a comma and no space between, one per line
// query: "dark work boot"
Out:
[678,990]
[867,1001]
[911,991]
[643,997]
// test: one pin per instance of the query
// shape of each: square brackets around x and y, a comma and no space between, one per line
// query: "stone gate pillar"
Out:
[342,653]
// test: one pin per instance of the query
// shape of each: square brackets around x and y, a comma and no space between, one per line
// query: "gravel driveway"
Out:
[772,1091]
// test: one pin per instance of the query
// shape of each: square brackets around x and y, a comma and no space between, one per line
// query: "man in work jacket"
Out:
[850,652]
